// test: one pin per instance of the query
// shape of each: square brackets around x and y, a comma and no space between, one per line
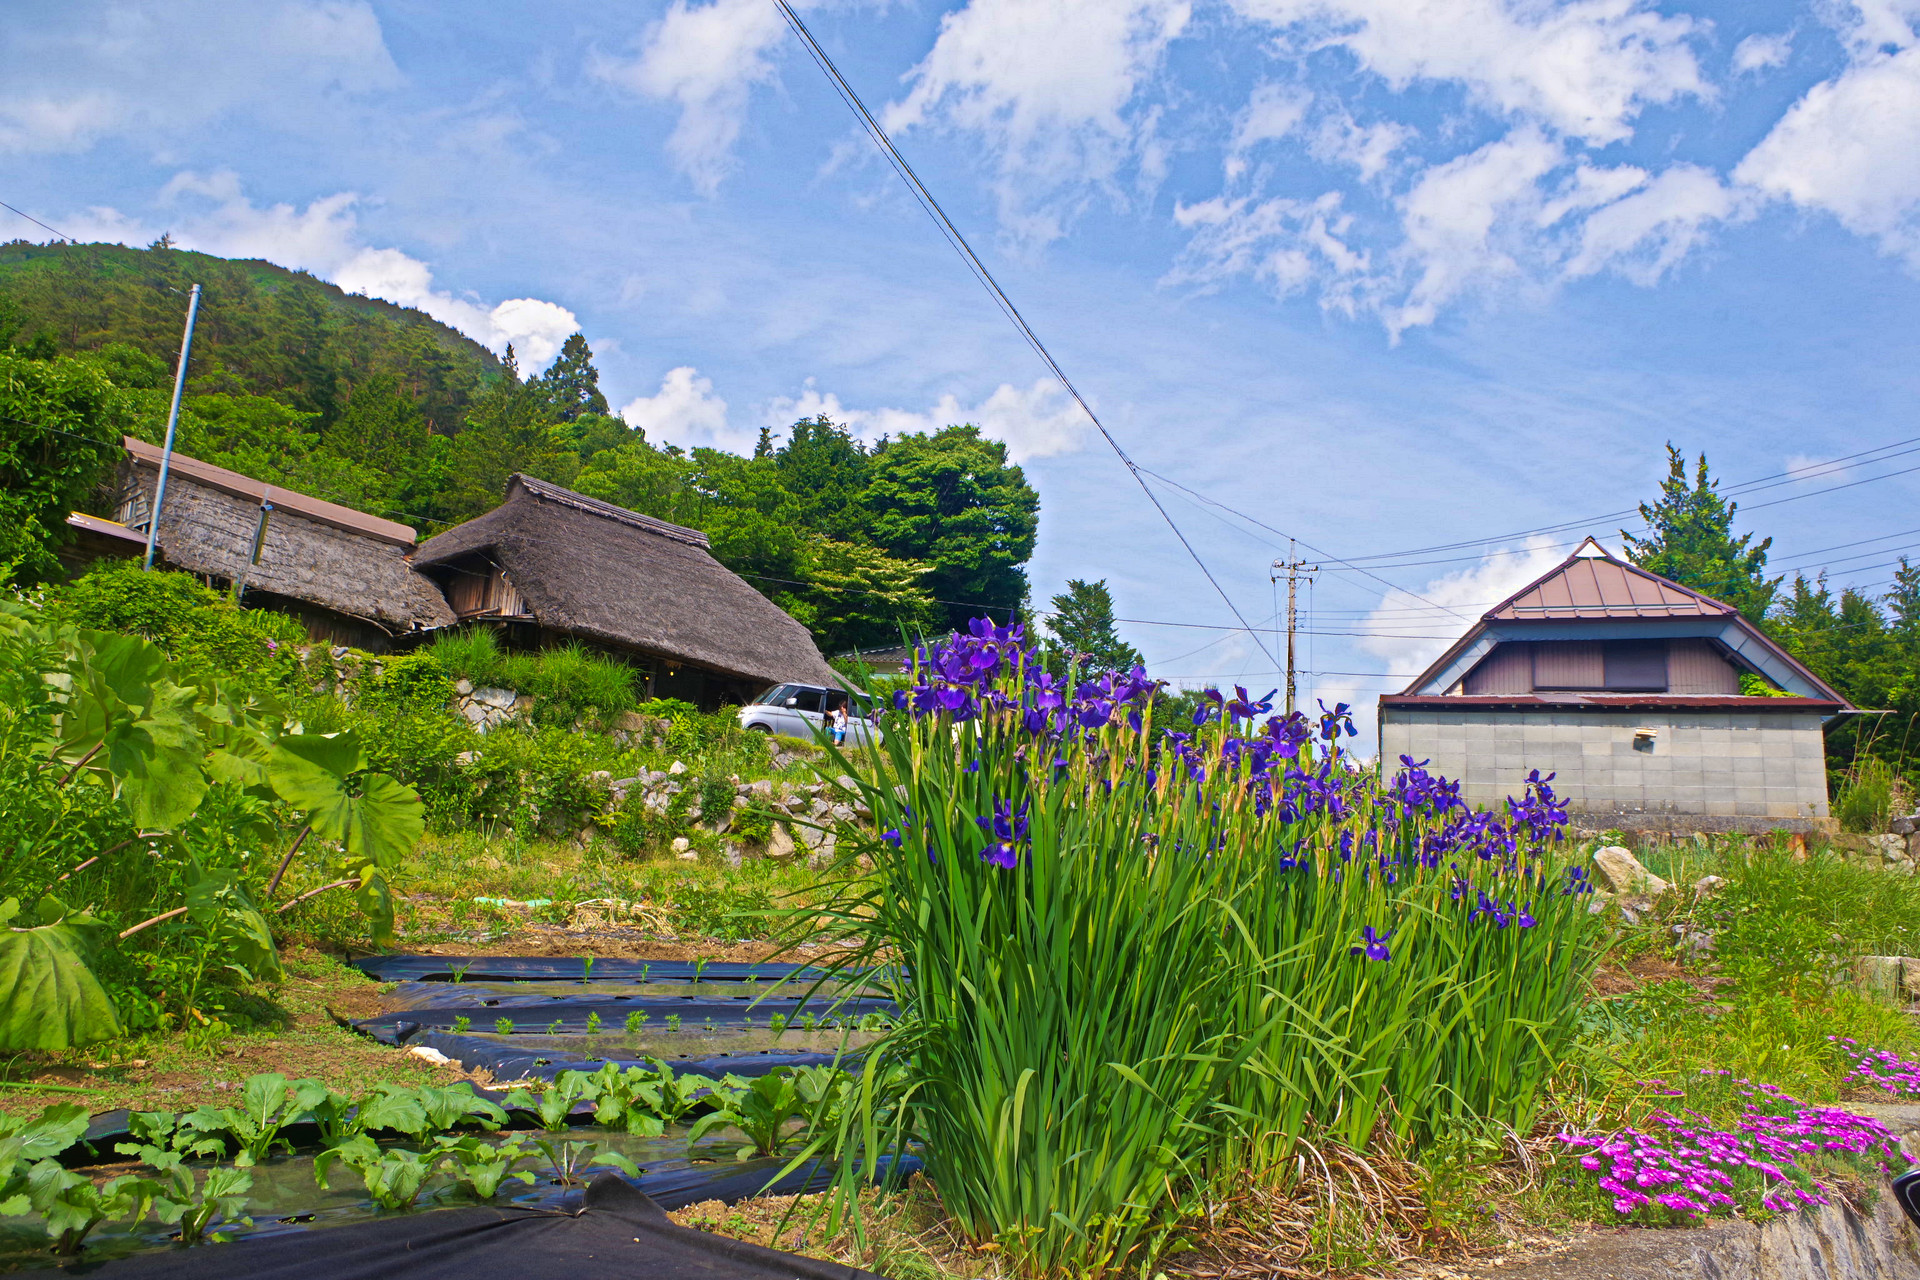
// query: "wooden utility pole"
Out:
[1295,569]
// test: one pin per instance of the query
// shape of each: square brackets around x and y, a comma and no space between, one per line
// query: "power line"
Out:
[36,222]
[992,286]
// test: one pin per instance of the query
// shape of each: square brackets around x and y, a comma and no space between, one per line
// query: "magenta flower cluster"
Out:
[1878,1068]
[1684,1167]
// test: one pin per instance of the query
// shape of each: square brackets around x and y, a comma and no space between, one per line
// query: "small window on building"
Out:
[1636,666]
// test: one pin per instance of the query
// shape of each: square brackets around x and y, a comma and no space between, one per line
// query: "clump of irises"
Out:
[1880,1069]
[1683,1168]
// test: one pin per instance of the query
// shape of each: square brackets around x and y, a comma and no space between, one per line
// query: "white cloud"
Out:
[1048,86]
[1285,244]
[1458,217]
[706,58]
[687,413]
[1411,629]
[1366,148]
[1851,146]
[1759,52]
[215,216]
[1039,421]
[1644,234]
[1584,69]
[89,70]
[1273,111]
[1034,422]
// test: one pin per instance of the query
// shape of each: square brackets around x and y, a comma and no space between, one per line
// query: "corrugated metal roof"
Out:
[1589,586]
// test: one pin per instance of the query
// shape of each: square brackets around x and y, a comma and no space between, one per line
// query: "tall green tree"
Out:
[571,385]
[950,499]
[380,423]
[1690,539]
[508,429]
[60,425]
[825,470]
[1082,625]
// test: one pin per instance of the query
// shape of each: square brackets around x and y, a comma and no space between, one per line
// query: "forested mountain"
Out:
[384,409]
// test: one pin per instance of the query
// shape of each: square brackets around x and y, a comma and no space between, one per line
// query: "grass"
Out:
[295,1034]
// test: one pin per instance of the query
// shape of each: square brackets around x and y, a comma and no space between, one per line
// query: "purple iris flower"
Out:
[1334,721]
[1376,945]
[892,836]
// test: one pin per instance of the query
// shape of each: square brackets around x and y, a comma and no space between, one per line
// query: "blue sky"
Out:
[1382,274]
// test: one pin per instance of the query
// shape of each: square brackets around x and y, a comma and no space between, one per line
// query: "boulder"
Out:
[683,849]
[1707,886]
[499,699]
[1892,847]
[780,843]
[463,686]
[1624,874]
[677,767]
[761,787]
[1905,825]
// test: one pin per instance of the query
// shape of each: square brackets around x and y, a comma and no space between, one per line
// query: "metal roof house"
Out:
[1628,687]
[550,564]
[346,575]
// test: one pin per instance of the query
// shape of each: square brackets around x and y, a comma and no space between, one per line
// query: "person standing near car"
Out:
[840,724]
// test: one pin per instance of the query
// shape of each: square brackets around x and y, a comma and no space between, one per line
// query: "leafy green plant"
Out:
[673,1022]
[593,1022]
[636,1020]
[478,1166]
[503,1025]
[49,996]
[268,1104]
[394,1176]
[72,1205]
[761,1109]
[554,1104]
[462,1024]
[448,1106]
[569,1159]
[222,1197]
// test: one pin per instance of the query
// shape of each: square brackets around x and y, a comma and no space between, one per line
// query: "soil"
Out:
[177,1072]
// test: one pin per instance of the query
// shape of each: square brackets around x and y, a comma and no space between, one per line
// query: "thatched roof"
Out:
[315,552]
[601,572]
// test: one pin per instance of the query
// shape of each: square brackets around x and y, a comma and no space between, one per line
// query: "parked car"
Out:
[801,710]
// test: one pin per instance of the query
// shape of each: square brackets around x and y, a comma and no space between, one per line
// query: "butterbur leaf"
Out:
[375,900]
[49,996]
[373,815]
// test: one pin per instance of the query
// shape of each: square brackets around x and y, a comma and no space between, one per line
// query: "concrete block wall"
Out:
[1721,764]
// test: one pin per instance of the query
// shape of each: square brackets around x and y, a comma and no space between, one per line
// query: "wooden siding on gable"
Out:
[1698,667]
[1508,669]
[1569,664]
[481,590]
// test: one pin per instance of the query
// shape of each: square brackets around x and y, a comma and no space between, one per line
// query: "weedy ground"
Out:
[1762,1004]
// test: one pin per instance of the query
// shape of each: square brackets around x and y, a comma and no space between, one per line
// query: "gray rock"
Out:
[677,767]
[683,849]
[466,757]
[1905,825]
[841,813]
[499,699]
[845,783]
[762,787]
[1624,874]
[1707,886]
[780,843]
[1892,847]
[813,837]
[463,686]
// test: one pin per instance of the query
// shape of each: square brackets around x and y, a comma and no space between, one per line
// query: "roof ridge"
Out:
[547,491]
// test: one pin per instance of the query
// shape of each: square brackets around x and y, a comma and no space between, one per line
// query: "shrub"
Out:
[1864,797]
[189,620]
[409,684]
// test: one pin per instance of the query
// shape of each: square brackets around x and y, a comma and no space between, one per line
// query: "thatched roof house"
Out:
[345,574]
[551,564]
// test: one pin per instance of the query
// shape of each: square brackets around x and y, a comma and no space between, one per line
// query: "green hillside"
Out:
[386,410]
[262,329]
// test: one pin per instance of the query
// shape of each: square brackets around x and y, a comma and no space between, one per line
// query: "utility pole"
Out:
[173,420]
[1295,569]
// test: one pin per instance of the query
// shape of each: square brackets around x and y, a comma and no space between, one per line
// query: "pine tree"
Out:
[1082,622]
[1690,540]
[571,385]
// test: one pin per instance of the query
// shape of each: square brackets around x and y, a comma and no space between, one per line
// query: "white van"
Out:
[800,711]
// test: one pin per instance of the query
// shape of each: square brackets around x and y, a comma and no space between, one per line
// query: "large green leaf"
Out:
[49,997]
[373,815]
[159,760]
[311,769]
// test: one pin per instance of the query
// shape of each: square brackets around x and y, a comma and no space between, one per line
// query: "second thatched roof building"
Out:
[550,564]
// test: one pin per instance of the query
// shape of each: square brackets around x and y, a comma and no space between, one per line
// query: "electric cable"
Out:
[980,272]
[36,222]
